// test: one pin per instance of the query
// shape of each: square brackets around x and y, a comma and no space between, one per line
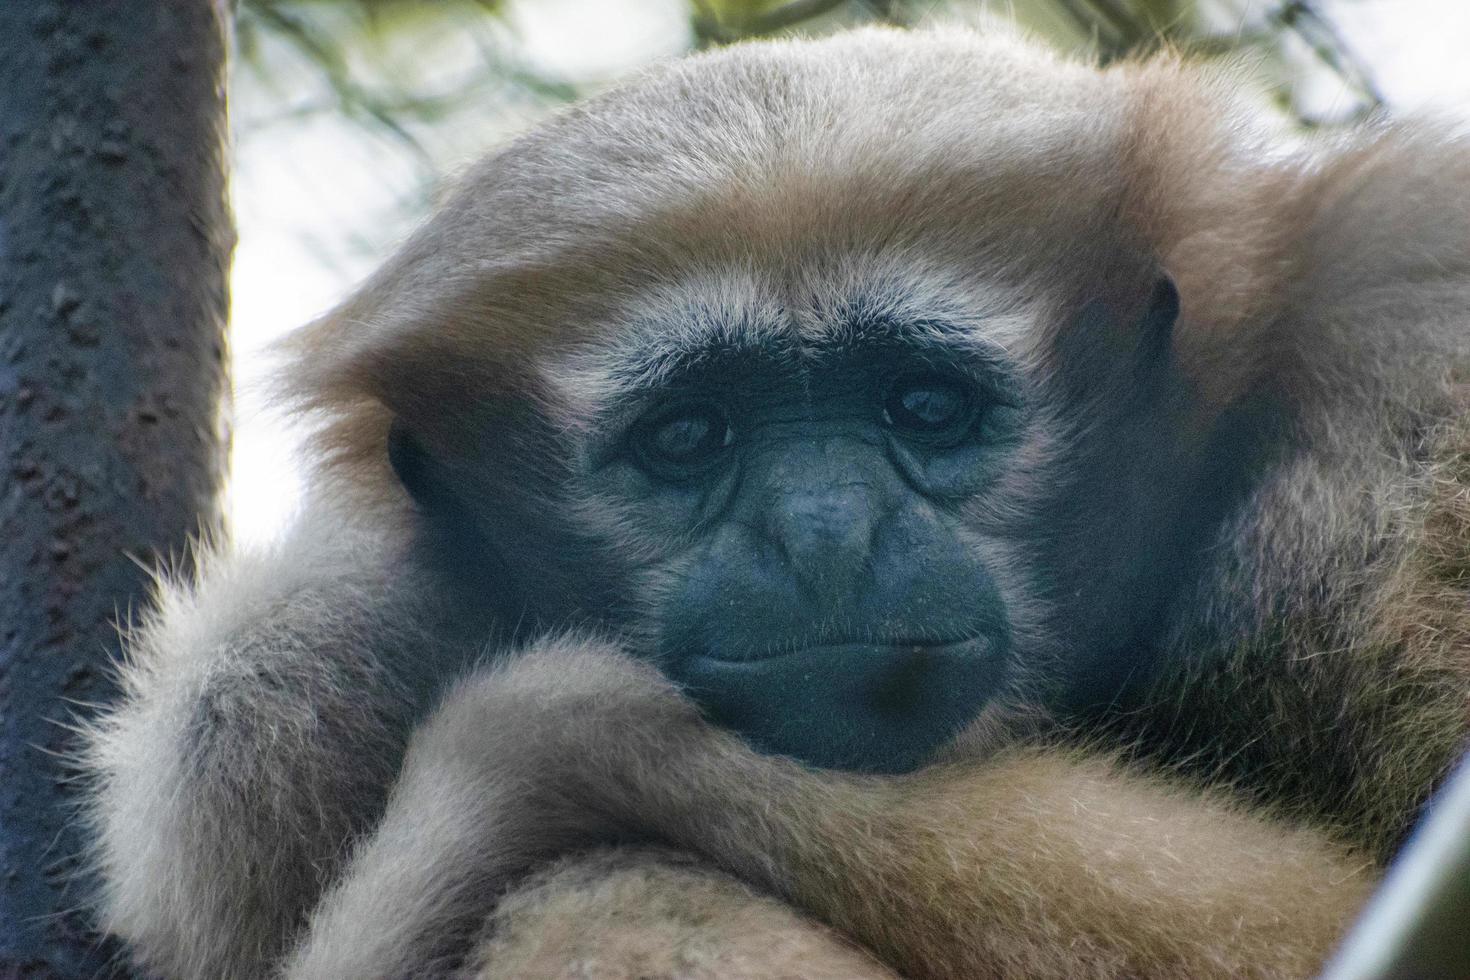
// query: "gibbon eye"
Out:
[932,405]
[684,439]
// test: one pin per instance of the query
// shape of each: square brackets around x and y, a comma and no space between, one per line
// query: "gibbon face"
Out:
[843,528]
[816,585]
[868,444]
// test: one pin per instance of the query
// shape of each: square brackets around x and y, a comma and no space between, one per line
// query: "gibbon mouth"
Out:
[978,646]
[866,706]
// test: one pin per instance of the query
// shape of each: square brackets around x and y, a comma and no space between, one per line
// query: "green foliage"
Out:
[428,85]
[366,66]
[351,45]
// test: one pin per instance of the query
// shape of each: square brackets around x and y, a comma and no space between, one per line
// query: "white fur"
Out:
[275,790]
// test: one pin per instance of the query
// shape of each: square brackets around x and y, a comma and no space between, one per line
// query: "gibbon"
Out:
[899,502]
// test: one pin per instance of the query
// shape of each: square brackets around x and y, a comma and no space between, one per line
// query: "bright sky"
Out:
[319,200]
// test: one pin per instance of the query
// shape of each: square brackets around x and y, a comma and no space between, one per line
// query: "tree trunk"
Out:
[114,249]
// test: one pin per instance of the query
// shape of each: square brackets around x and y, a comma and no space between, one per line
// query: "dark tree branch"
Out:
[710,28]
[114,246]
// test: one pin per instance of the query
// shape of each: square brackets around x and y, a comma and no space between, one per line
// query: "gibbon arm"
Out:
[1035,864]
[264,715]
[637,913]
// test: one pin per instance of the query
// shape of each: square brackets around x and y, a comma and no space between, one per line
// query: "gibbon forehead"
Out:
[835,133]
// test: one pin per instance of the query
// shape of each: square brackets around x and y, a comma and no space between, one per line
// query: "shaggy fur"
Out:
[286,789]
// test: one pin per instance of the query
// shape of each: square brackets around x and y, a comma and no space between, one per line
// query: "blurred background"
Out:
[349,115]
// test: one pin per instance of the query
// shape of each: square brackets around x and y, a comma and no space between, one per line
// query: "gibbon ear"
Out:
[1156,328]
[415,467]
[1121,335]
[1163,310]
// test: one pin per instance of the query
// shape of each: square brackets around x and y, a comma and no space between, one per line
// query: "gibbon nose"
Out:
[826,535]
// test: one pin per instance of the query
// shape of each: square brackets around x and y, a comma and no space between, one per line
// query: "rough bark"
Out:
[114,248]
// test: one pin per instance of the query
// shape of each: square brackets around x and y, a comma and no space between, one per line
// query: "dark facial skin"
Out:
[825,599]
[786,526]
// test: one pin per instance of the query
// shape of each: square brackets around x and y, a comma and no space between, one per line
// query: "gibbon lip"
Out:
[977,644]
